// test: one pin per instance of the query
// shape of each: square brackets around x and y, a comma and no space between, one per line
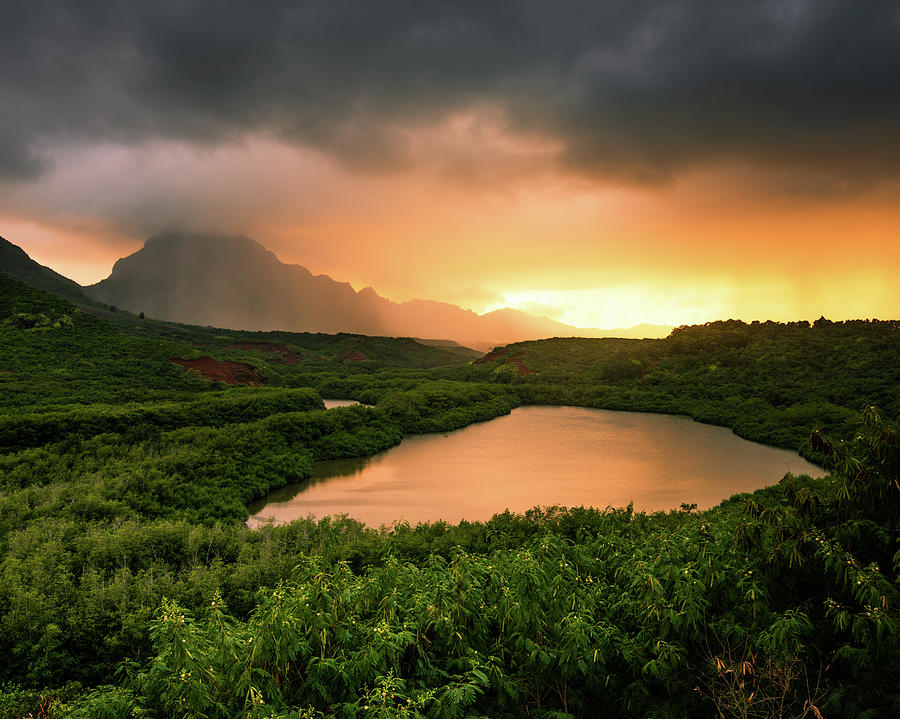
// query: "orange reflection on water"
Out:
[568,456]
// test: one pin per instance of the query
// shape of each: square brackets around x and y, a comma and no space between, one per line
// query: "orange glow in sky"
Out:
[604,164]
[713,244]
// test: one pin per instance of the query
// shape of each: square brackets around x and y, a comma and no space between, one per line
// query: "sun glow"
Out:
[699,299]
[613,307]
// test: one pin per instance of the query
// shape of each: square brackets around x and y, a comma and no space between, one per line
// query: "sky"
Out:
[601,162]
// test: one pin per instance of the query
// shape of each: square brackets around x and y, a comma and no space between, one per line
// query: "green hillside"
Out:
[769,382]
[54,353]
[129,585]
[16,263]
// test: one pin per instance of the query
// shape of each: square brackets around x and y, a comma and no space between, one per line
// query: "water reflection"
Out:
[332,403]
[569,456]
[322,472]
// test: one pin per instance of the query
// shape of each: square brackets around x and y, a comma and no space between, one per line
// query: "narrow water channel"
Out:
[569,456]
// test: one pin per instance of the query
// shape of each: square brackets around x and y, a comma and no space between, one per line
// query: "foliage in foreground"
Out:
[129,586]
[765,606]
[776,604]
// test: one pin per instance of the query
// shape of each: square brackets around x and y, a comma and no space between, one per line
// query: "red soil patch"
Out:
[225,371]
[491,356]
[515,359]
[287,357]
[352,356]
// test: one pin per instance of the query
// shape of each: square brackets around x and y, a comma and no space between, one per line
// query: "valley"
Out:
[455,360]
[125,480]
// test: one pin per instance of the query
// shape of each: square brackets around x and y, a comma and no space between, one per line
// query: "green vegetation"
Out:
[769,382]
[129,585]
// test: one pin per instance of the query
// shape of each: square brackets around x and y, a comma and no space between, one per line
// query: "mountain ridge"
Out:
[232,281]
[16,263]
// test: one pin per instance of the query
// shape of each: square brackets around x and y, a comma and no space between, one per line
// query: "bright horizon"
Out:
[602,167]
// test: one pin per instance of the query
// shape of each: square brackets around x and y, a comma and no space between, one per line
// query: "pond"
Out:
[568,456]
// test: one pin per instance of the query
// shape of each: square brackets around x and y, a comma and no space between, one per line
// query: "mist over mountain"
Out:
[232,281]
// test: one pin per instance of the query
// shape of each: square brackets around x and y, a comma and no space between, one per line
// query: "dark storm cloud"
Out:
[634,90]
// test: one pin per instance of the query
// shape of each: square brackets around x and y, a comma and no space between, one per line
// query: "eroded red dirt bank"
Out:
[226,371]
[514,360]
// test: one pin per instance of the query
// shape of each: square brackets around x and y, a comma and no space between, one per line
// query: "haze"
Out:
[602,164]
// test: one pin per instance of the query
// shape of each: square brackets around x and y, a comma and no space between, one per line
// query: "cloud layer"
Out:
[624,90]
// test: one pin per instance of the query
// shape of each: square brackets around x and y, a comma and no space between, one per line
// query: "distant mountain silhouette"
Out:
[232,281]
[16,263]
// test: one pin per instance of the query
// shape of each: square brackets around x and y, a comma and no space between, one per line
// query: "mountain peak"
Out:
[205,242]
[170,238]
[229,280]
